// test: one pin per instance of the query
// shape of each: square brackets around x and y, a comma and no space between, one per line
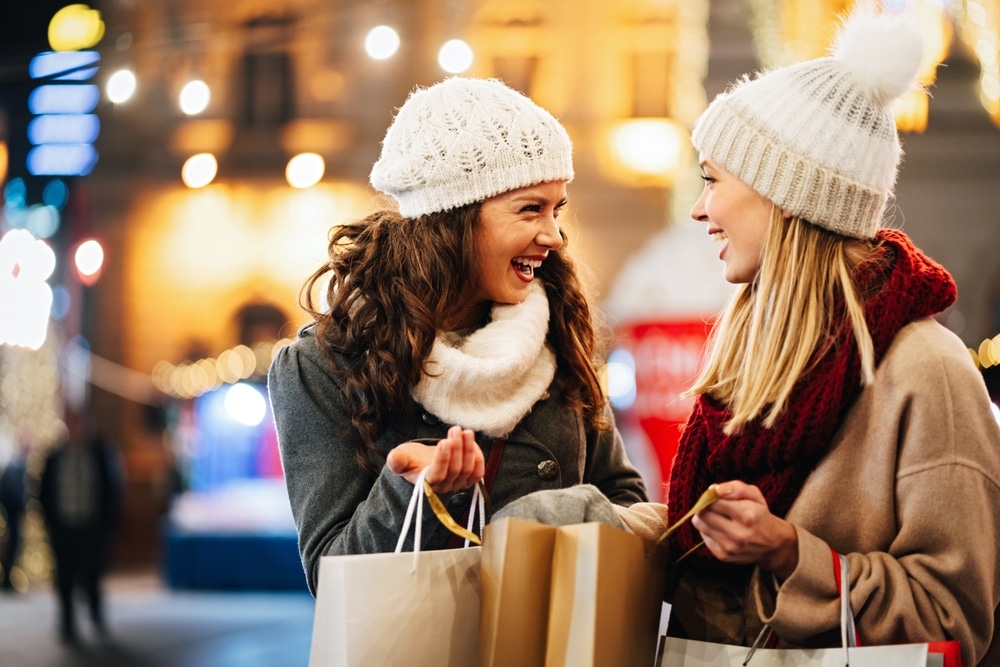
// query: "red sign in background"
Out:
[668,356]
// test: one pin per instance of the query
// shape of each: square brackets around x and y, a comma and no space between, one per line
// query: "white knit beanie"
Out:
[465,140]
[819,138]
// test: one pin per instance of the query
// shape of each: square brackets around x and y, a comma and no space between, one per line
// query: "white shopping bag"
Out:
[688,653]
[382,610]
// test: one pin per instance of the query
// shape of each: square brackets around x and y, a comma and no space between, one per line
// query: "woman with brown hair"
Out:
[455,335]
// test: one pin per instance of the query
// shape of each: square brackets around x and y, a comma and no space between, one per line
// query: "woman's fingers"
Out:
[473,465]
[459,463]
[409,458]
[739,528]
[456,462]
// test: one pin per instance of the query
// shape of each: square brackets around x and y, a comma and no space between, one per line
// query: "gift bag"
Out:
[688,653]
[417,609]
[516,574]
[606,598]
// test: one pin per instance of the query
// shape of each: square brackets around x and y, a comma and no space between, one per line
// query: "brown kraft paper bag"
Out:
[515,571]
[606,598]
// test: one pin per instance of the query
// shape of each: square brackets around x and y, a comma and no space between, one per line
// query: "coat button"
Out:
[548,470]
[430,419]
[460,499]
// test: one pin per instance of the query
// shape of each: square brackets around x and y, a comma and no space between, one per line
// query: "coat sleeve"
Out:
[939,577]
[608,466]
[338,507]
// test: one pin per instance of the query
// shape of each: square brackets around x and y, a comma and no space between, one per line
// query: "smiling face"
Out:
[737,216]
[515,232]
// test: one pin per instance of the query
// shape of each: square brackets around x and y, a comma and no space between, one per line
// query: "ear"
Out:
[786,215]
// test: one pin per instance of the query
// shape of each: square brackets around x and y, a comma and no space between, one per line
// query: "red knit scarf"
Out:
[904,286]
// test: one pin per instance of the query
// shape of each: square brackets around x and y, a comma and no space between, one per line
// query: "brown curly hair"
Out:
[393,281]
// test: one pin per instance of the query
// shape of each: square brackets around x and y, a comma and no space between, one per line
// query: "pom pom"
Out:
[882,52]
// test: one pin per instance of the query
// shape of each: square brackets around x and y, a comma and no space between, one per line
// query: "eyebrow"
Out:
[536,199]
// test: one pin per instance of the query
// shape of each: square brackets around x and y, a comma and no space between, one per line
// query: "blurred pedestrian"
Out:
[80,494]
[12,500]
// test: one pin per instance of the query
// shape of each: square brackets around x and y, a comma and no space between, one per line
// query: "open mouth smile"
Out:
[525,267]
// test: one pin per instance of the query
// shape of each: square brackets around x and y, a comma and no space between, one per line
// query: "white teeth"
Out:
[524,261]
[719,237]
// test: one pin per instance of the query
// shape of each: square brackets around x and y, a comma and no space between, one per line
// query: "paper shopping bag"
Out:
[372,610]
[689,653]
[417,609]
[516,575]
[606,599]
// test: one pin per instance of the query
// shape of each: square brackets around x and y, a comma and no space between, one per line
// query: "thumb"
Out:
[398,461]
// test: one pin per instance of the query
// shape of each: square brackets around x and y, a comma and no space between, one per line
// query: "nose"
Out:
[549,235]
[698,210]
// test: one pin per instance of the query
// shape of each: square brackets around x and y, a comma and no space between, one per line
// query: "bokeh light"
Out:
[55,194]
[42,220]
[194,97]
[60,302]
[455,56]
[650,145]
[382,42]
[120,86]
[25,298]
[89,258]
[245,404]
[305,170]
[621,379]
[75,27]
[199,170]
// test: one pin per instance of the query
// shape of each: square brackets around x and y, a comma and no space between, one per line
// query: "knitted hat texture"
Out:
[465,140]
[818,138]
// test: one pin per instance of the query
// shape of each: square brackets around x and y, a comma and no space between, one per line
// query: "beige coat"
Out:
[910,491]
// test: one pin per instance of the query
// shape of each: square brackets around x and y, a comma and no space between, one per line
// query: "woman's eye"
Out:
[531,208]
[707,179]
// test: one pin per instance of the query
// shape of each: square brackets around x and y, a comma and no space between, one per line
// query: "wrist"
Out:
[784,558]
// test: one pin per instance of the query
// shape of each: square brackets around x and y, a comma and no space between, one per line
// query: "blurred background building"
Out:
[170,171]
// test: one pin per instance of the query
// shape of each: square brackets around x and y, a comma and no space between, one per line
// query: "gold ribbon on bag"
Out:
[707,498]
[441,512]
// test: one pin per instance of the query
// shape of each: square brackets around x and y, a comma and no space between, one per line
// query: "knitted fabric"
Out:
[779,459]
[489,380]
[466,140]
[818,138]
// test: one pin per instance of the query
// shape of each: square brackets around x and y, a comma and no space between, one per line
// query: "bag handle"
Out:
[492,465]
[421,488]
[848,632]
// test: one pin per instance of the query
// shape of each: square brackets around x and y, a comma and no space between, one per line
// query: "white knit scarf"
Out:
[488,380]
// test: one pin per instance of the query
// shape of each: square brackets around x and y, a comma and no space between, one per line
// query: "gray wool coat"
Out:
[341,509]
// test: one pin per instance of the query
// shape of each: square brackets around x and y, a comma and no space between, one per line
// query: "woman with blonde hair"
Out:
[834,414]
[455,335]
[835,418]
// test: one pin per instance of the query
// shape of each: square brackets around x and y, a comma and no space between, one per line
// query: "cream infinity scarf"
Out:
[488,380]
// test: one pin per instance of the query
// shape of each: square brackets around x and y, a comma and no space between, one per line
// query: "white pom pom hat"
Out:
[465,140]
[819,138]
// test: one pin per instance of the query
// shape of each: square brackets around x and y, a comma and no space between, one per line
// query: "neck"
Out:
[472,317]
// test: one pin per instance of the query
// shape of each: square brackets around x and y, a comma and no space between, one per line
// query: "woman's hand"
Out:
[455,463]
[739,528]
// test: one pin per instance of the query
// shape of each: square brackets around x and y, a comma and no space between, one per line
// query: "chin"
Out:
[512,297]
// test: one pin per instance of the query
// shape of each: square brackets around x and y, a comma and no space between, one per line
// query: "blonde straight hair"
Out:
[776,328]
